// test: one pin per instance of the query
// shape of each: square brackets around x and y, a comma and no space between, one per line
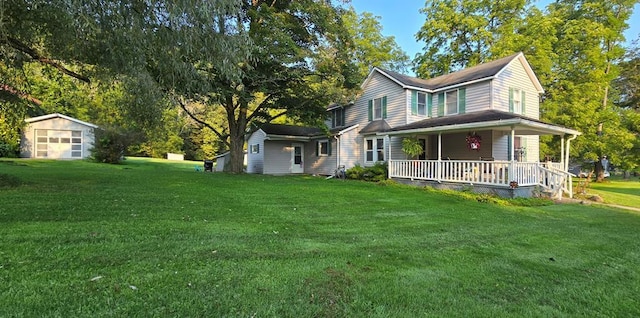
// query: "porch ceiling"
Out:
[483,120]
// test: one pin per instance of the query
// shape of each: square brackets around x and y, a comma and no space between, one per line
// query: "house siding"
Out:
[255,161]
[478,97]
[278,155]
[350,149]
[379,86]
[515,76]
[324,165]
[454,146]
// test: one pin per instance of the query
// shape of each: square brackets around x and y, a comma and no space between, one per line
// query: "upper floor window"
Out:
[378,108]
[420,103]
[255,148]
[516,100]
[337,117]
[374,150]
[452,102]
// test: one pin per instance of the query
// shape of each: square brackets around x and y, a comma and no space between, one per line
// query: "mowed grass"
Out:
[156,239]
[618,191]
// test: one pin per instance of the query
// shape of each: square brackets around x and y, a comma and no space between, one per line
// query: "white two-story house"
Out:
[477,126]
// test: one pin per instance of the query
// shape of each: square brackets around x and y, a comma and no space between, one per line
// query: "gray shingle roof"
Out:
[290,130]
[467,118]
[375,126]
[478,72]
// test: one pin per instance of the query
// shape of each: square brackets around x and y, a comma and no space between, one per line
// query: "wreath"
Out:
[473,141]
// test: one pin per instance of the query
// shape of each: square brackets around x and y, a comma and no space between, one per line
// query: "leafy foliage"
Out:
[412,147]
[111,144]
[375,173]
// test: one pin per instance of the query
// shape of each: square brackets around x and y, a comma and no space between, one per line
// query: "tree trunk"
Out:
[599,171]
[237,127]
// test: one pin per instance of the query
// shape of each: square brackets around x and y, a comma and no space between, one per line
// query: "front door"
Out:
[297,165]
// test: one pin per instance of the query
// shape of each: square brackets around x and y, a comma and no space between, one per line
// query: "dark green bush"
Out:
[8,151]
[110,145]
[376,173]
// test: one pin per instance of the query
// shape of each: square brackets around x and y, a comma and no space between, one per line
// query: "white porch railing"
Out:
[495,173]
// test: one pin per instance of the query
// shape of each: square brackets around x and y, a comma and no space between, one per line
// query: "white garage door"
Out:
[51,143]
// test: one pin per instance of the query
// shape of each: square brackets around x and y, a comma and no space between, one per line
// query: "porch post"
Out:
[512,136]
[562,159]
[439,167]
[387,142]
[568,148]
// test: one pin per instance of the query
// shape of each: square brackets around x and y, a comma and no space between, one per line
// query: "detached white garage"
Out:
[56,136]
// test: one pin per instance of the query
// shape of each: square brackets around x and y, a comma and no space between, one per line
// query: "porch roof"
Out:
[482,120]
[290,132]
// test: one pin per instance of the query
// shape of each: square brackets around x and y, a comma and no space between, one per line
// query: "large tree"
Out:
[463,33]
[250,58]
[626,92]
[589,47]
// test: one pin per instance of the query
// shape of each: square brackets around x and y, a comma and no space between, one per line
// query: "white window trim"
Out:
[446,104]
[379,100]
[426,102]
[517,100]
[326,148]
[374,150]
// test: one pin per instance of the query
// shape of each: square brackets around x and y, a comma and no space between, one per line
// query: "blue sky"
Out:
[402,19]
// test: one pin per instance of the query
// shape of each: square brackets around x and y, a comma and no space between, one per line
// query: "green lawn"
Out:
[618,191]
[153,238]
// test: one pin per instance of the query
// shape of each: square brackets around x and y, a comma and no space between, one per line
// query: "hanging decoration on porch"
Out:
[473,141]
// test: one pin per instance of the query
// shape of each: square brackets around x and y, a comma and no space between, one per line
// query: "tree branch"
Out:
[201,122]
[259,108]
[16,44]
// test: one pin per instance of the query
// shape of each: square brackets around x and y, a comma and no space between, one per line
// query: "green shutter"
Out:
[462,100]
[333,118]
[511,100]
[509,148]
[523,102]
[384,107]
[440,104]
[429,105]
[414,103]
[370,109]
[329,147]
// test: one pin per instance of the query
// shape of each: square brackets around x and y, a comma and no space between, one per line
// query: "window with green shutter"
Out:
[452,102]
[377,108]
[419,103]
[516,100]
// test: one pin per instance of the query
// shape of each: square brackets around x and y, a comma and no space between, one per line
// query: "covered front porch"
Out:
[500,174]
[512,171]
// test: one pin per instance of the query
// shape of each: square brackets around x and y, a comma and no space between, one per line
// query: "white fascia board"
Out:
[283,137]
[348,129]
[57,115]
[545,128]
[386,75]
[446,88]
